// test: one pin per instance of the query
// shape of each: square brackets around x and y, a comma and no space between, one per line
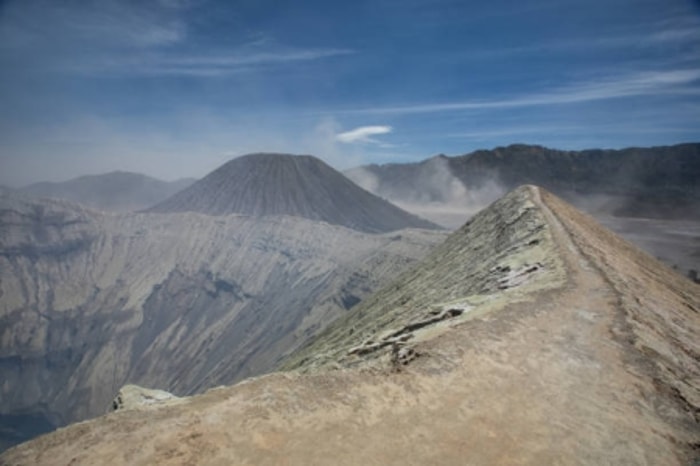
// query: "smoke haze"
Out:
[436,195]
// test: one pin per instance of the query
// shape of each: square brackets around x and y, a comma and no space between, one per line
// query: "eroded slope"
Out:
[181,302]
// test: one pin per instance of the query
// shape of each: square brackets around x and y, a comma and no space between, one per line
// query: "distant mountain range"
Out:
[635,182]
[657,182]
[281,184]
[116,191]
[531,336]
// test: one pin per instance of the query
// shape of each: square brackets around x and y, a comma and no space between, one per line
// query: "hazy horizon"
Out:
[367,163]
[175,88]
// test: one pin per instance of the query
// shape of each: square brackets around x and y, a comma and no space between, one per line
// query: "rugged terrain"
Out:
[183,302]
[531,336]
[302,186]
[112,192]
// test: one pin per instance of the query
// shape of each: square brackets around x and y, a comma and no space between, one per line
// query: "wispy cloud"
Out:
[547,128]
[180,4]
[121,39]
[662,36]
[254,58]
[233,62]
[500,131]
[637,84]
[110,23]
[52,40]
[688,35]
[363,134]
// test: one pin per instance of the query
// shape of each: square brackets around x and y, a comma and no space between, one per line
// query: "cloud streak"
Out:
[109,23]
[112,38]
[681,35]
[363,134]
[639,84]
[233,62]
[547,128]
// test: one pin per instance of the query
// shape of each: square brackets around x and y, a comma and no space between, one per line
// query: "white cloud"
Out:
[322,141]
[363,134]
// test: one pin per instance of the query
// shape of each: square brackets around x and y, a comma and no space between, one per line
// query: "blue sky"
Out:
[174,88]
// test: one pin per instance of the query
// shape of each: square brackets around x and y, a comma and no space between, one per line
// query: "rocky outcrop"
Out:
[396,338]
[135,397]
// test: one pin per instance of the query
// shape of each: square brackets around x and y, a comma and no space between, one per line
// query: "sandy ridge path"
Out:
[632,291]
[591,304]
[555,378]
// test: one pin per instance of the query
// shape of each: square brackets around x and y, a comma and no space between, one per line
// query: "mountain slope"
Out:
[115,191]
[184,302]
[531,336]
[300,186]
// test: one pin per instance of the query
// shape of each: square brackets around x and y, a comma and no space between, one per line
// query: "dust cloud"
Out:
[431,191]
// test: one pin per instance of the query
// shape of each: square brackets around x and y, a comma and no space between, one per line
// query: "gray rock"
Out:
[134,397]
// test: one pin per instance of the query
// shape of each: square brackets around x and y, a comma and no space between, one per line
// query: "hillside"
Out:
[183,302]
[531,336]
[112,192]
[300,186]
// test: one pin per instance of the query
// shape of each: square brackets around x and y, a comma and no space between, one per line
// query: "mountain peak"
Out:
[264,184]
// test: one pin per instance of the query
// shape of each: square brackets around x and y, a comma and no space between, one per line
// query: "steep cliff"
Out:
[182,302]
